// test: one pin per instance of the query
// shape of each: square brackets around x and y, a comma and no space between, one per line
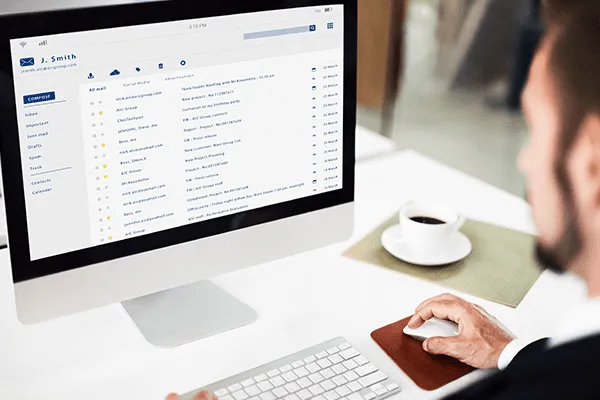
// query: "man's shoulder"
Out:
[565,371]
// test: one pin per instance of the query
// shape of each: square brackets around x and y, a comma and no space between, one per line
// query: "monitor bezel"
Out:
[94,18]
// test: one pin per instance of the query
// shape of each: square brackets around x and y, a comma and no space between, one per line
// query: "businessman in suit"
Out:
[562,164]
[561,103]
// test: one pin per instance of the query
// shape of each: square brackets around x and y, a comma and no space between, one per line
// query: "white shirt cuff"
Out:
[511,350]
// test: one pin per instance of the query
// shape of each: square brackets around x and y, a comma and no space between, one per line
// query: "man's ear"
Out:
[591,155]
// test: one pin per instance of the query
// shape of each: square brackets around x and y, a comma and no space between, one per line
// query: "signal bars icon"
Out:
[44,43]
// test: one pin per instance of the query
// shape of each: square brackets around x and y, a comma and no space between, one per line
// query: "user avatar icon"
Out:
[91,76]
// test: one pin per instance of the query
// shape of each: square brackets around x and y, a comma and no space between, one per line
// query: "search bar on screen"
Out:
[280,32]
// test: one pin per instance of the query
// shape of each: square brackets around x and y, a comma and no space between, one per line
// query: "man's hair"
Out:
[574,61]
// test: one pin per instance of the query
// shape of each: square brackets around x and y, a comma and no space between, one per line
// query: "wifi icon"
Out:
[23,44]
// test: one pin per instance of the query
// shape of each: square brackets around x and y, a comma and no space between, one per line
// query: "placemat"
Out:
[429,372]
[500,268]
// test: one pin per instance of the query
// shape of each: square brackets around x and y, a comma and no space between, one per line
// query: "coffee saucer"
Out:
[457,247]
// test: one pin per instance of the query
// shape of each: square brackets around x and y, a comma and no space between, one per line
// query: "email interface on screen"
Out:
[133,130]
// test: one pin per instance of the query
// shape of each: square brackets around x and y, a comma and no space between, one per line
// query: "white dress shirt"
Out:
[582,322]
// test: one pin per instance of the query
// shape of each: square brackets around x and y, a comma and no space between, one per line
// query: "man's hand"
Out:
[199,396]
[481,338]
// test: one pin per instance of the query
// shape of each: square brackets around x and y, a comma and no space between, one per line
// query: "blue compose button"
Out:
[39,97]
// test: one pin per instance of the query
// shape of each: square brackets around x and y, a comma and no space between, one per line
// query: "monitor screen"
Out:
[130,128]
[129,131]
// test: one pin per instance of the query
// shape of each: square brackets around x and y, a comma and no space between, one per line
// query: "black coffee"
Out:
[427,220]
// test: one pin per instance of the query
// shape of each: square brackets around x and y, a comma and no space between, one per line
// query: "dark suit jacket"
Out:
[569,371]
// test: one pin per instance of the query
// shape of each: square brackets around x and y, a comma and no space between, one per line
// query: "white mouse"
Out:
[431,328]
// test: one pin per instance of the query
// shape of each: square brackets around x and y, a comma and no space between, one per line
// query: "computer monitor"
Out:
[149,146]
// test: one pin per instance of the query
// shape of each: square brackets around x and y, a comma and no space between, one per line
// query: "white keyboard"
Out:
[333,370]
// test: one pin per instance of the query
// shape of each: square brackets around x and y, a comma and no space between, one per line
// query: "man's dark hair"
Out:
[574,61]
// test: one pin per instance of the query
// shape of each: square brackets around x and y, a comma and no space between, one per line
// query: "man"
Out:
[562,165]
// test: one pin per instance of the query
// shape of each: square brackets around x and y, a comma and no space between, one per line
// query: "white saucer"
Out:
[455,249]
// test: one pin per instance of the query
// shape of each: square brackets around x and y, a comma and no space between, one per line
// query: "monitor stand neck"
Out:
[187,313]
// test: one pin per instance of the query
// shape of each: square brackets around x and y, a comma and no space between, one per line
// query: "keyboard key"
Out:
[316,390]
[248,383]
[376,387]
[343,391]
[313,367]
[304,382]
[345,346]
[316,378]
[366,369]
[372,379]
[333,350]
[221,392]
[267,396]
[349,353]
[298,364]
[355,396]
[301,372]
[289,376]
[273,373]
[339,369]
[254,398]
[319,397]
[339,380]
[361,360]
[253,390]
[310,359]
[335,359]
[380,390]
[324,363]
[351,376]
[328,373]
[332,395]
[277,381]
[350,364]
[392,386]
[280,392]
[292,397]
[370,396]
[304,394]
[322,354]
[240,395]
[234,388]
[226,397]
[329,385]
[292,387]
[285,368]
[260,378]
[355,386]
[265,386]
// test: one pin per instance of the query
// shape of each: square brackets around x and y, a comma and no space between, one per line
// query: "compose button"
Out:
[39,97]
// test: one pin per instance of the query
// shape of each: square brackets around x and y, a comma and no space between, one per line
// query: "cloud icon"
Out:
[115,73]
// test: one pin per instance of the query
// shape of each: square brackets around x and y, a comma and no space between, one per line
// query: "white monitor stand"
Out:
[187,313]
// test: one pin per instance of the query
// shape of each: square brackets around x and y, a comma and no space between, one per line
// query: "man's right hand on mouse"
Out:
[481,338]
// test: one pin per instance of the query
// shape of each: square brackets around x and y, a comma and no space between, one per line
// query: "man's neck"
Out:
[587,266]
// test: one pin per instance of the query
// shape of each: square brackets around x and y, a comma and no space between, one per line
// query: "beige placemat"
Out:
[500,268]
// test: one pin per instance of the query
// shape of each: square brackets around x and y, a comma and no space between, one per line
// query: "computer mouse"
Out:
[431,328]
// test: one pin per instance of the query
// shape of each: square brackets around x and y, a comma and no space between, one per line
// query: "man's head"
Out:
[562,159]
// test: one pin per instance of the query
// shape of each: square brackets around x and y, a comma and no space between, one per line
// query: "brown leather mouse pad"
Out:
[429,372]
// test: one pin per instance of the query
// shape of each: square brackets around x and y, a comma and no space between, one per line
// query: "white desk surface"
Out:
[302,301]
[370,144]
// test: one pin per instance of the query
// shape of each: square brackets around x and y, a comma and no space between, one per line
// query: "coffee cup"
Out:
[427,226]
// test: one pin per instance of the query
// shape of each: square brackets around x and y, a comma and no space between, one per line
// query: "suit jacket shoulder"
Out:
[568,371]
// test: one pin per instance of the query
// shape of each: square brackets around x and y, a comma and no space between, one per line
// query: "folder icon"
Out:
[27,62]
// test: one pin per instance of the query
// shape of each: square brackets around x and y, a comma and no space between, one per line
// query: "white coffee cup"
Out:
[427,236]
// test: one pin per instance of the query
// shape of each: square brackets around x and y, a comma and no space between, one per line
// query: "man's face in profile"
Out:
[539,161]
